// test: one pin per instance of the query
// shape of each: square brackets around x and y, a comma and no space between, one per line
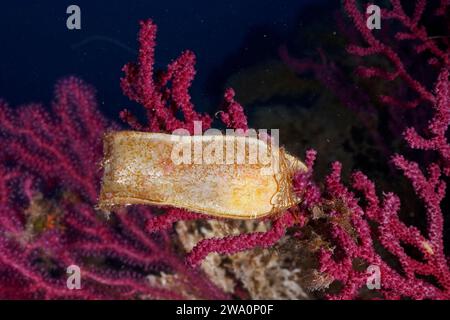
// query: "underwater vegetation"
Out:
[49,186]
[50,178]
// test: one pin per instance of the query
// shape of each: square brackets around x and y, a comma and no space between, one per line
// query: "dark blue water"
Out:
[37,48]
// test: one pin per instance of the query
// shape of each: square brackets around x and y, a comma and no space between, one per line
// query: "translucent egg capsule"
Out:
[229,176]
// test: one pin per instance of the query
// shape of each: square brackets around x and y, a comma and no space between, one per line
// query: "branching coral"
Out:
[412,31]
[392,233]
[427,276]
[49,180]
[405,53]
[165,93]
[359,227]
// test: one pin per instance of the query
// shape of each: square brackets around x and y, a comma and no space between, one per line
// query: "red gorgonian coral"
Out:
[49,179]
[426,276]
[390,231]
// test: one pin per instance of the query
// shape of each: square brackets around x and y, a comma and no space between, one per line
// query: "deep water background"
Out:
[37,49]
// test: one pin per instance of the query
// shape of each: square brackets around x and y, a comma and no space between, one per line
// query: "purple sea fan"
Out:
[416,266]
[49,179]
